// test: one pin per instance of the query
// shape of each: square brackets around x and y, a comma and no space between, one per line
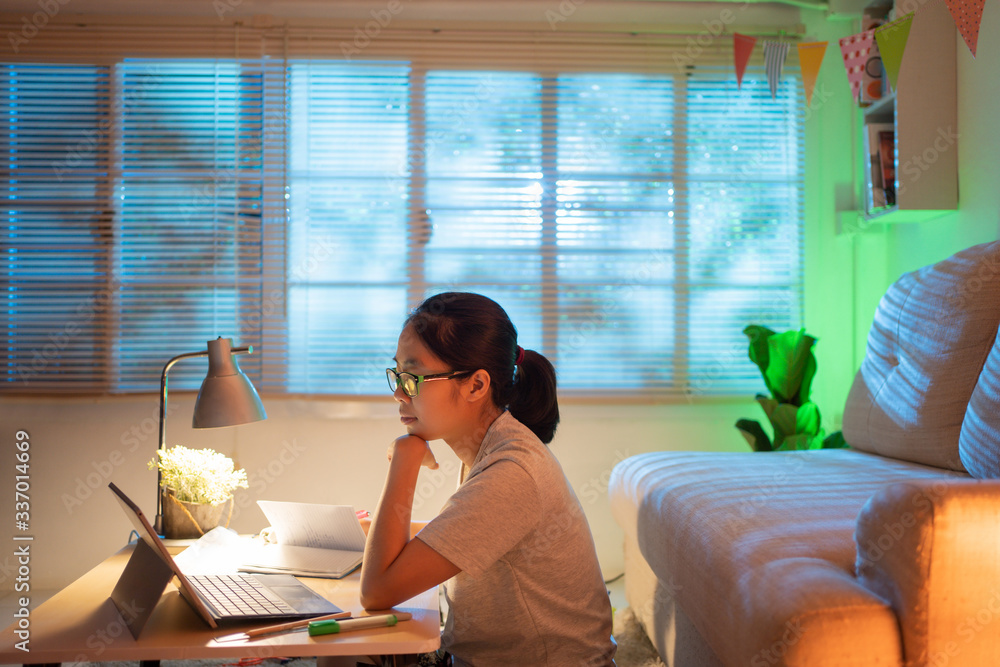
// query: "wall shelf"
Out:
[923,116]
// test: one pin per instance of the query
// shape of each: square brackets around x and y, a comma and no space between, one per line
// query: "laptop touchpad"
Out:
[298,596]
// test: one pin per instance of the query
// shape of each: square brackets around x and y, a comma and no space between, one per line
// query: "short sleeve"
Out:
[485,518]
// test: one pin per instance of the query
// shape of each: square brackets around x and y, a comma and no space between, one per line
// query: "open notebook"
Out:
[313,540]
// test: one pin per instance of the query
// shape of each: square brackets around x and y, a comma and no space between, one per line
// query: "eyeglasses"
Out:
[411,383]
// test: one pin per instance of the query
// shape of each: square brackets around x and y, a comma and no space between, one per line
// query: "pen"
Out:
[329,627]
[283,627]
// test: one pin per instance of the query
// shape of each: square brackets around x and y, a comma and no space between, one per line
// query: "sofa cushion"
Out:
[979,442]
[930,337]
[759,552]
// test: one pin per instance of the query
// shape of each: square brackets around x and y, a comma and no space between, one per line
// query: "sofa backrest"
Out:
[932,333]
[979,443]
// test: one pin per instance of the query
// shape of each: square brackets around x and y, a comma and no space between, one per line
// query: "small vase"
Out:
[183,520]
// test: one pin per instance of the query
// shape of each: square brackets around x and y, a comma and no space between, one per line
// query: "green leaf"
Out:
[802,442]
[835,441]
[783,420]
[767,404]
[789,354]
[807,377]
[807,419]
[794,443]
[754,434]
[758,351]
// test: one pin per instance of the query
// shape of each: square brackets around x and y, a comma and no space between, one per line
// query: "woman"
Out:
[523,583]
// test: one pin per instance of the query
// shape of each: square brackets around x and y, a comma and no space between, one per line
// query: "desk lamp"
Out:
[226,398]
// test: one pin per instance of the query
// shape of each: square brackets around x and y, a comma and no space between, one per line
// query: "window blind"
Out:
[58,289]
[628,205]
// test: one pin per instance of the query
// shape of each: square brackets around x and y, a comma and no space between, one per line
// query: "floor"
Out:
[617,590]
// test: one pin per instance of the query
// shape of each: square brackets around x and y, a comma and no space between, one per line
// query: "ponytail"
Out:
[533,396]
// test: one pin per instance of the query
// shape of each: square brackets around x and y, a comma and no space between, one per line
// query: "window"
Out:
[631,222]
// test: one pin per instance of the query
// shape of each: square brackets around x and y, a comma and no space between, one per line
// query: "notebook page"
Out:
[302,561]
[314,525]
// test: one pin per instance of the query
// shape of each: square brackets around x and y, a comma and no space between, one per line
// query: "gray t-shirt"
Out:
[530,591]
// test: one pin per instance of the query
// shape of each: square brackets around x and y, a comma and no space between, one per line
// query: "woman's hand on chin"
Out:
[411,447]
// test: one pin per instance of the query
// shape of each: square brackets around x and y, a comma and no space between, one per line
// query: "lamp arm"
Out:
[247,349]
[163,419]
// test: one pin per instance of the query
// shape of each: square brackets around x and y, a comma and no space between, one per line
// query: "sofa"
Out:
[883,553]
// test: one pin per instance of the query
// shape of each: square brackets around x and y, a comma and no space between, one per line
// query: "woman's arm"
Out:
[396,567]
[415,526]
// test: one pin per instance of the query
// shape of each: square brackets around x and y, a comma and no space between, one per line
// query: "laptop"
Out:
[218,599]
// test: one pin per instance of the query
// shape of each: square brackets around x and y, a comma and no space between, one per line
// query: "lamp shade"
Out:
[227,397]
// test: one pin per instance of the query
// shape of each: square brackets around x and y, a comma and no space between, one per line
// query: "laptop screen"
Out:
[150,570]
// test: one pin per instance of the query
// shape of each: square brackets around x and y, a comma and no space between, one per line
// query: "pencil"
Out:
[283,627]
[293,625]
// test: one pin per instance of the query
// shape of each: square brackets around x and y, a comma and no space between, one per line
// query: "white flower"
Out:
[199,475]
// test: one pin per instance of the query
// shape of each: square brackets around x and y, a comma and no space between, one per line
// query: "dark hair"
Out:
[470,332]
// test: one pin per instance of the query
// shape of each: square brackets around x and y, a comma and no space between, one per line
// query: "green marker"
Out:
[331,627]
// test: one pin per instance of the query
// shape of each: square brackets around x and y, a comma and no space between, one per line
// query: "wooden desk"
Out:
[80,624]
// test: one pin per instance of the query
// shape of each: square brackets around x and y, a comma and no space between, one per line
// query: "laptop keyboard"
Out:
[239,595]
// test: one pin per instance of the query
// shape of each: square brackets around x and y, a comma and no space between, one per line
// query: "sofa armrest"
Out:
[931,548]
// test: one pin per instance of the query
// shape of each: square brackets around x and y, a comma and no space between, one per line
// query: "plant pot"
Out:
[184,520]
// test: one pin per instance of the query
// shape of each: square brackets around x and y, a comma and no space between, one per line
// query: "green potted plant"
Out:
[788,366]
[196,485]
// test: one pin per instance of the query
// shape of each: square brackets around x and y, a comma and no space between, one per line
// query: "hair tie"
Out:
[520,356]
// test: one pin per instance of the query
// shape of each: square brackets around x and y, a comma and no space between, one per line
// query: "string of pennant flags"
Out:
[889,39]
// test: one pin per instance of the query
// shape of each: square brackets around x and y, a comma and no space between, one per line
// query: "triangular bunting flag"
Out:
[742,48]
[774,59]
[967,15]
[810,58]
[891,39]
[855,51]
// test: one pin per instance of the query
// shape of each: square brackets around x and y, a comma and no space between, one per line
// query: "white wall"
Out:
[307,450]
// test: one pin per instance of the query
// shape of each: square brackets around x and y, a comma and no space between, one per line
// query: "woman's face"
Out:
[436,412]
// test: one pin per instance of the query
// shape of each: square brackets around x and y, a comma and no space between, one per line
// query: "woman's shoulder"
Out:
[510,440]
